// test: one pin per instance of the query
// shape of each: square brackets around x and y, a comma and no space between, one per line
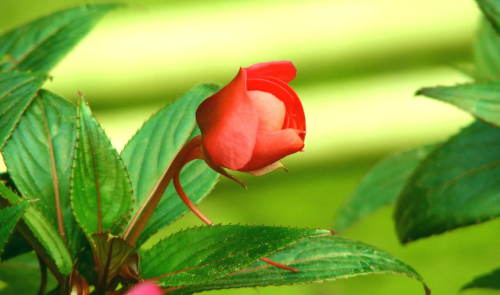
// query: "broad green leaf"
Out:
[205,254]
[22,275]
[16,92]
[491,10]
[487,281]
[149,153]
[486,51]
[39,45]
[380,186]
[481,99]
[111,254]
[318,260]
[457,185]
[39,156]
[9,218]
[41,234]
[101,193]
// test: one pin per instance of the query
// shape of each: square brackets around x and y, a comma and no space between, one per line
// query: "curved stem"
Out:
[43,275]
[187,201]
[141,218]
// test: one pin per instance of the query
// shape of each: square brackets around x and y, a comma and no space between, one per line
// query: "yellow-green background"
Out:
[359,63]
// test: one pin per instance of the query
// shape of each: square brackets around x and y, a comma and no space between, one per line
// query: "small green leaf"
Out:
[149,153]
[318,260]
[41,234]
[457,185]
[22,275]
[487,281]
[9,218]
[380,186]
[39,156]
[205,254]
[16,93]
[481,99]
[486,51]
[39,45]
[491,10]
[101,193]
[111,254]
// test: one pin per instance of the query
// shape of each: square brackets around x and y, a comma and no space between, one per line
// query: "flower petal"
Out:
[271,110]
[272,146]
[297,111]
[283,70]
[228,121]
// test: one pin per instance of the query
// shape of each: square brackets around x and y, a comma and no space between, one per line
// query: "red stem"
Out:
[187,201]
[144,213]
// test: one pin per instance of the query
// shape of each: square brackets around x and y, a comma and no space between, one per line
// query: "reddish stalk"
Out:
[188,201]
[147,209]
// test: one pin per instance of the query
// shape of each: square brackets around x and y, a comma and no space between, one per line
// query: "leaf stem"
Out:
[188,201]
[43,274]
[141,218]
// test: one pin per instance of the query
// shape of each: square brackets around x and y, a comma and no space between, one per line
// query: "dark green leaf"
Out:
[39,156]
[22,275]
[204,254]
[41,234]
[486,51]
[101,193]
[9,218]
[318,260]
[111,254]
[149,153]
[491,10]
[39,45]
[457,185]
[16,245]
[16,92]
[481,99]
[487,281]
[380,186]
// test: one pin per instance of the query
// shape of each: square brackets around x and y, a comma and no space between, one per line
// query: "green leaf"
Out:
[39,156]
[101,193]
[491,10]
[486,51]
[22,275]
[487,281]
[111,254]
[41,234]
[481,99]
[16,245]
[9,218]
[149,153]
[457,185]
[205,254]
[318,260]
[380,186]
[16,92]
[39,45]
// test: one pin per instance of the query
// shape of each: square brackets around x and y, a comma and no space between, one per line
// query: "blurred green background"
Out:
[359,63]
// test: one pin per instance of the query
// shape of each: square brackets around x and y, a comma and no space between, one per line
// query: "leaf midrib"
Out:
[55,179]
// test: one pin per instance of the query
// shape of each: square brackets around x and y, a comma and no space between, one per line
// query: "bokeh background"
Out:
[359,63]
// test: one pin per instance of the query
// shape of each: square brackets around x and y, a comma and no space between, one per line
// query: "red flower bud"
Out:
[145,288]
[254,121]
